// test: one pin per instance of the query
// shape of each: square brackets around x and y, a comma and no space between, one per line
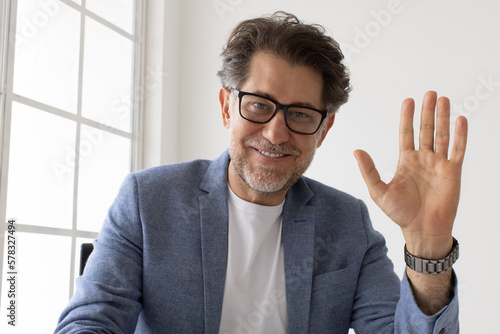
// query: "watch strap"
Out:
[427,266]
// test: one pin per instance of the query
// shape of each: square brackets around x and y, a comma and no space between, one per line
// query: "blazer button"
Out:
[442,331]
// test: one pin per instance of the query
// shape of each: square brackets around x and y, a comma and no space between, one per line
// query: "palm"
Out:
[422,198]
[420,189]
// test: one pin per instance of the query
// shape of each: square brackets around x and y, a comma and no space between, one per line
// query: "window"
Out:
[70,117]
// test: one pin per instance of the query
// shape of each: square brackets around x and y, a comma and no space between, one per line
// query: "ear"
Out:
[224,99]
[330,119]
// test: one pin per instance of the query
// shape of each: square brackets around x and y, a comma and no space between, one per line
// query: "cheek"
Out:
[237,134]
[244,129]
[318,139]
[305,143]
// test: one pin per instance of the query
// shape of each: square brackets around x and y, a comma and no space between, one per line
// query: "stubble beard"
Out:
[262,178]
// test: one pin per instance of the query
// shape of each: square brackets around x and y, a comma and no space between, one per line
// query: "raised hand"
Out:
[423,196]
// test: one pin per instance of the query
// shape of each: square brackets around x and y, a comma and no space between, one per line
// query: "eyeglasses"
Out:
[299,119]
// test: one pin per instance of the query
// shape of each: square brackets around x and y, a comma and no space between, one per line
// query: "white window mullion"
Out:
[7,72]
[97,18]
[74,117]
[138,94]
[8,30]
[77,149]
[54,231]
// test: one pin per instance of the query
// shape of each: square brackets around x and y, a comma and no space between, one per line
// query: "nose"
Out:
[276,130]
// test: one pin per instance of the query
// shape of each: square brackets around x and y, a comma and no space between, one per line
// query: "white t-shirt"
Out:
[255,291]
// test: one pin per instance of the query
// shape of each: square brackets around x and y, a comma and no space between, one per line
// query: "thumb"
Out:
[376,187]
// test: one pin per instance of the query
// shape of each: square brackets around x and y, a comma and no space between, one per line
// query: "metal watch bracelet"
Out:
[427,266]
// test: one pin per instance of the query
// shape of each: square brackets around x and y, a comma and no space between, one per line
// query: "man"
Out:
[246,244]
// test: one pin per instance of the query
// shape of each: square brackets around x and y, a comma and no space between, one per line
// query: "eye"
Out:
[260,106]
[299,114]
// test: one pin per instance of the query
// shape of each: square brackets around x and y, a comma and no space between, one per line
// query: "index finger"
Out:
[406,136]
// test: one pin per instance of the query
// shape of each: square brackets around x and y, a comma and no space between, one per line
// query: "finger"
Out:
[459,141]
[426,138]
[442,141]
[406,135]
[376,187]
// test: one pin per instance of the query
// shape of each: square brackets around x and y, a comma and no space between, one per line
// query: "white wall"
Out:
[450,46]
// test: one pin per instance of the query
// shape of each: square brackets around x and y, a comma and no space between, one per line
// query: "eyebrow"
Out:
[271,97]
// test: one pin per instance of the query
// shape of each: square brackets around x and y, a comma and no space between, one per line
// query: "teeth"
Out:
[271,155]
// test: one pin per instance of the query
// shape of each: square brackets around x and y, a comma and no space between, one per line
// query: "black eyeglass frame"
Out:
[279,107]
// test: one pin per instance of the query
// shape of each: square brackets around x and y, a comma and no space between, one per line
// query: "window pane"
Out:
[118,12]
[47,53]
[41,168]
[107,78]
[104,163]
[42,282]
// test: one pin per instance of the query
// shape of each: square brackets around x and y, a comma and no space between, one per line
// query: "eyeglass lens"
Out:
[261,110]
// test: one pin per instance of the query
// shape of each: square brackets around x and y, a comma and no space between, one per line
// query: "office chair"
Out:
[85,251]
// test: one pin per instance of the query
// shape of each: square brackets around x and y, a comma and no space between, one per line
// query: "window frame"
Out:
[8,13]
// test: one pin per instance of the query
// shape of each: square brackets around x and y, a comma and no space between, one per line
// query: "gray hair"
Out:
[283,35]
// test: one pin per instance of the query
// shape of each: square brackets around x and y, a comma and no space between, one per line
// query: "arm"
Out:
[107,297]
[383,304]
[422,198]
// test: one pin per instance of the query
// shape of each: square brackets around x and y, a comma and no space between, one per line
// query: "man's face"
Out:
[266,159]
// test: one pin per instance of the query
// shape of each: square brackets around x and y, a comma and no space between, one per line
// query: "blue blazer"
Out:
[159,262]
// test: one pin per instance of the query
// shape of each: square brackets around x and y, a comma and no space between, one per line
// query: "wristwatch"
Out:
[427,266]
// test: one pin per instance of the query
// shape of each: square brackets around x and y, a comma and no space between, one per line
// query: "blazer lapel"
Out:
[298,245]
[214,227]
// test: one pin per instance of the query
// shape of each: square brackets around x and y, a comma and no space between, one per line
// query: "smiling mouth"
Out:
[271,155]
[269,150]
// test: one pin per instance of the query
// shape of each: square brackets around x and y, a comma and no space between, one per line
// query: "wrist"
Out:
[433,248]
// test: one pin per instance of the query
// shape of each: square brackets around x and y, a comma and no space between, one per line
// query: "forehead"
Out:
[286,83]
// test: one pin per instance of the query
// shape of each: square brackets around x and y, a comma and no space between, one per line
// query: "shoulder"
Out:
[183,173]
[175,169]
[165,183]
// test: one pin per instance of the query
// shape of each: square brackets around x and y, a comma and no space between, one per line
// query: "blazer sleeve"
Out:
[409,318]
[108,294]
[384,304]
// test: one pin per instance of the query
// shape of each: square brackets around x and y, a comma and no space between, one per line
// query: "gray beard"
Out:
[266,179]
